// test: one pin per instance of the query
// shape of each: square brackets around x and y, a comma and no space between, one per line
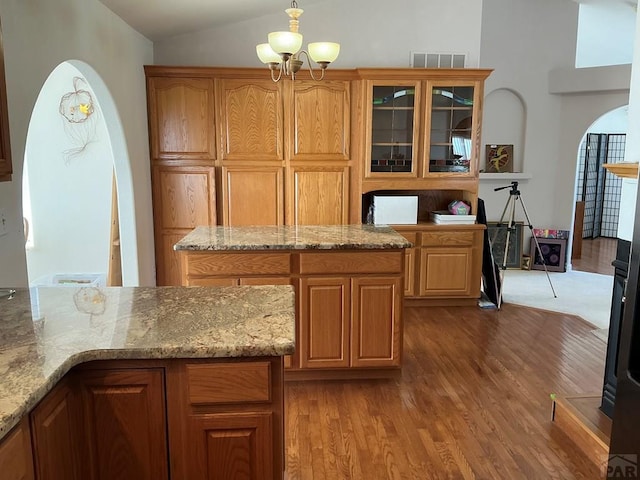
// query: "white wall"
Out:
[555,124]
[632,151]
[606,31]
[70,191]
[39,35]
[615,121]
[522,41]
[372,33]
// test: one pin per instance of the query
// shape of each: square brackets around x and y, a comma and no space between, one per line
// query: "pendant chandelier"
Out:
[283,50]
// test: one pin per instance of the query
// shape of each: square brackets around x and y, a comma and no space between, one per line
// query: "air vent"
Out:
[438,60]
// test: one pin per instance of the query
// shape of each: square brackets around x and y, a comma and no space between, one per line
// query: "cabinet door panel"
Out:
[392,129]
[229,447]
[251,120]
[181,113]
[324,322]
[376,339]
[184,196]
[252,196]
[445,271]
[16,458]
[452,127]
[318,196]
[321,120]
[124,419]
[55,431]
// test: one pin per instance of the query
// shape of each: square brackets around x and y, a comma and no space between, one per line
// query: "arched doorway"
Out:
[75,149]
[597,192]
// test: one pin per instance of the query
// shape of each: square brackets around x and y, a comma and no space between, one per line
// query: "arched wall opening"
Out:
[75,145]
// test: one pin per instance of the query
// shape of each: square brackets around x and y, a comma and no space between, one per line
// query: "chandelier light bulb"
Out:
[324,52]
[266,54]
[285,43]
[283,52]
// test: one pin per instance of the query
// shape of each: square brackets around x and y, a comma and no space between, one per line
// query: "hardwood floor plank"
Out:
[472,402]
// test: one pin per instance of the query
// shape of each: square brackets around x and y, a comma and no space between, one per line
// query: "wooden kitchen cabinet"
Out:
[422,138]
[351,321]
[252,195]
[220,419]
[320,121]
[181,118]
[251,161]
[318,195]
[250,115]
[376,331]
[55,424]
[183,198]
[450,263]
[226,420]
[16,457]
[349,301]
[124,423]
[325,311]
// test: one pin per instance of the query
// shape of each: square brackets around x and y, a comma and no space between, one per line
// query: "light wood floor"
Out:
[597,255]
[472,402]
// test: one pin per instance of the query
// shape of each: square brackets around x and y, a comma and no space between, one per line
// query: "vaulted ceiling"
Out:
[173,17]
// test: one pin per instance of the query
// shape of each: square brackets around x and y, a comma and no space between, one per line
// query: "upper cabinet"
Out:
[320,120]
[181,118]
[393,130]
[425,125]
[251,120]
[451,126]
[5,147]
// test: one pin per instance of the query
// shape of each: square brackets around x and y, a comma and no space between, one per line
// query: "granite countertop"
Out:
[294,237]
[46,331]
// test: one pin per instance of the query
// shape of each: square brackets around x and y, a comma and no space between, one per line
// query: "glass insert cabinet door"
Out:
[394,129]
[451,138]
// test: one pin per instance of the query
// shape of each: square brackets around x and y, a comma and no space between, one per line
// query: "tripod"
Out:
[514,196]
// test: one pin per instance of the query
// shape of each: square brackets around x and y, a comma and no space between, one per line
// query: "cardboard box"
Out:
[395,210]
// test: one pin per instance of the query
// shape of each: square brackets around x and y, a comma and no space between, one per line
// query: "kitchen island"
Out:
[144,383]
[348,281]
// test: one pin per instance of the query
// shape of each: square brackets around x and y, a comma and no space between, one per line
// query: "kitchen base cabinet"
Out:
[448,264]
[134,420]
[54,427]
[349,303]
[324,322]
[16,458]
[376,330]
[226,420]
[124,418]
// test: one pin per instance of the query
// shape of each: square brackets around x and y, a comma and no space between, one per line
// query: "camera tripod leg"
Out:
[511,206]
[535,240]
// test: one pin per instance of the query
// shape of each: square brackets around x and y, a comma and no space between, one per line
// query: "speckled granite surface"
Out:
[44,332]
[300,237]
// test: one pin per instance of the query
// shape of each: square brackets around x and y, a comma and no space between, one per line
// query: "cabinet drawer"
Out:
[236,264]
[229,383]
[447,239]
[372,261]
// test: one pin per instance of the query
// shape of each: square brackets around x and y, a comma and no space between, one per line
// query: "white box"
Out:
[395,210]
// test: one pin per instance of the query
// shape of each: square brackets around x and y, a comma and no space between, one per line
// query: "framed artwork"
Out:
[498,238]
[553,252]
[499,158]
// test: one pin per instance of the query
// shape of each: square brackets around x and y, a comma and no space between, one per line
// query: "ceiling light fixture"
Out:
[283,50]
